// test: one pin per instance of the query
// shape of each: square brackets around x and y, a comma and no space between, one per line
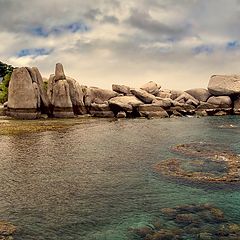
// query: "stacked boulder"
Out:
[27,98]
[65,95]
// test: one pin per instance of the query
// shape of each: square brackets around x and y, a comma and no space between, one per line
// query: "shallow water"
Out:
[95,181]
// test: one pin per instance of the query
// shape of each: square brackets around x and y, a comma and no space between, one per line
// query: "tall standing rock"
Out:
[59,94]
[22,95]
[76,96]
[45,103]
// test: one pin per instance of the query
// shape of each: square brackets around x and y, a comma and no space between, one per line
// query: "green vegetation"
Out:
[5,75]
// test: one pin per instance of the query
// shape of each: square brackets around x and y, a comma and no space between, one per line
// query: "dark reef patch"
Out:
[205,162]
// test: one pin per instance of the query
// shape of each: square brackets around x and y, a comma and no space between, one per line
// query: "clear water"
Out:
[95,181]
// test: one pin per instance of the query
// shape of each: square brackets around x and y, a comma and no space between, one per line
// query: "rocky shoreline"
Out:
[29,97]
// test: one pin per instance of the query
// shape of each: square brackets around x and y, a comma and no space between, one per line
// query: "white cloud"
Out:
[180,44]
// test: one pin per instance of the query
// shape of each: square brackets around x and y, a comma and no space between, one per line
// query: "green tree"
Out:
[5,73]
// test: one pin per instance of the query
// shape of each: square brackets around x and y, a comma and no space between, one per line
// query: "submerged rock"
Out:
[7,230]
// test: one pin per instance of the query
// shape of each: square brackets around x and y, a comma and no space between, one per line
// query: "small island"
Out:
[29,97]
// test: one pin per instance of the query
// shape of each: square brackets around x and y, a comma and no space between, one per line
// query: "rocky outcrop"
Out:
[164,94]
[122,89]
[98,95]
[201,94]
[45,103]
[151,87]
[77,96]
[143,95]
[186,98]
[7,230]
[59,94]
[101,110]
[221,101]
[59,72]
[65,97]
[152,110]
[224,85]
[22,95]
[124,103]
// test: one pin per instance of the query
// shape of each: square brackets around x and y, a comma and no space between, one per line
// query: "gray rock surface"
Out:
[101,110]
[151,87]
[143,95]
[152,110]
[22,99]
[98,95]
[124,103]
[201,94]
[42,91]
[61,101]
[76,96]
[224,85]
[121,89]
[220,101]
[59,72]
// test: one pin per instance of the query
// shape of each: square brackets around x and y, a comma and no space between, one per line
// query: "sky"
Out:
[176,43]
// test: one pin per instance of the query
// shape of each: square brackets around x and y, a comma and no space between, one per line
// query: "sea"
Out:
[98,181]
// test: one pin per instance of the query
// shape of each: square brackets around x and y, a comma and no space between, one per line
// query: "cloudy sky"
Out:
[177,43]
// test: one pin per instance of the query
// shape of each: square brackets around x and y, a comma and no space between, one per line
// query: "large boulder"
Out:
[152,110]
[186,98]
[164,94]
[220,101]
[22,95]
[121,89]
[59,94]
[101,110]
[45,103]
[224,85]
[59,72]
[175,94]
[151,87]
[76,96]
[163,102]
[61,101]
[201,94]
[98,95]
[124,103]
[143,95]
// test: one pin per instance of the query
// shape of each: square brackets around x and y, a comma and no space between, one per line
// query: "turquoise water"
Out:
[96,181]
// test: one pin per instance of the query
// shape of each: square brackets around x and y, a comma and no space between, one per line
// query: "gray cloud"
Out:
[141,39]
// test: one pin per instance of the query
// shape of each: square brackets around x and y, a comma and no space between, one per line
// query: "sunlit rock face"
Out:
[203,221]
[224,85]
[24,94]
[206,163]
[65,94]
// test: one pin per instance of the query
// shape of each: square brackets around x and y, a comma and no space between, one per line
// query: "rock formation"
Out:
[221,85]
[65,97]
[151,87]
[26,97]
